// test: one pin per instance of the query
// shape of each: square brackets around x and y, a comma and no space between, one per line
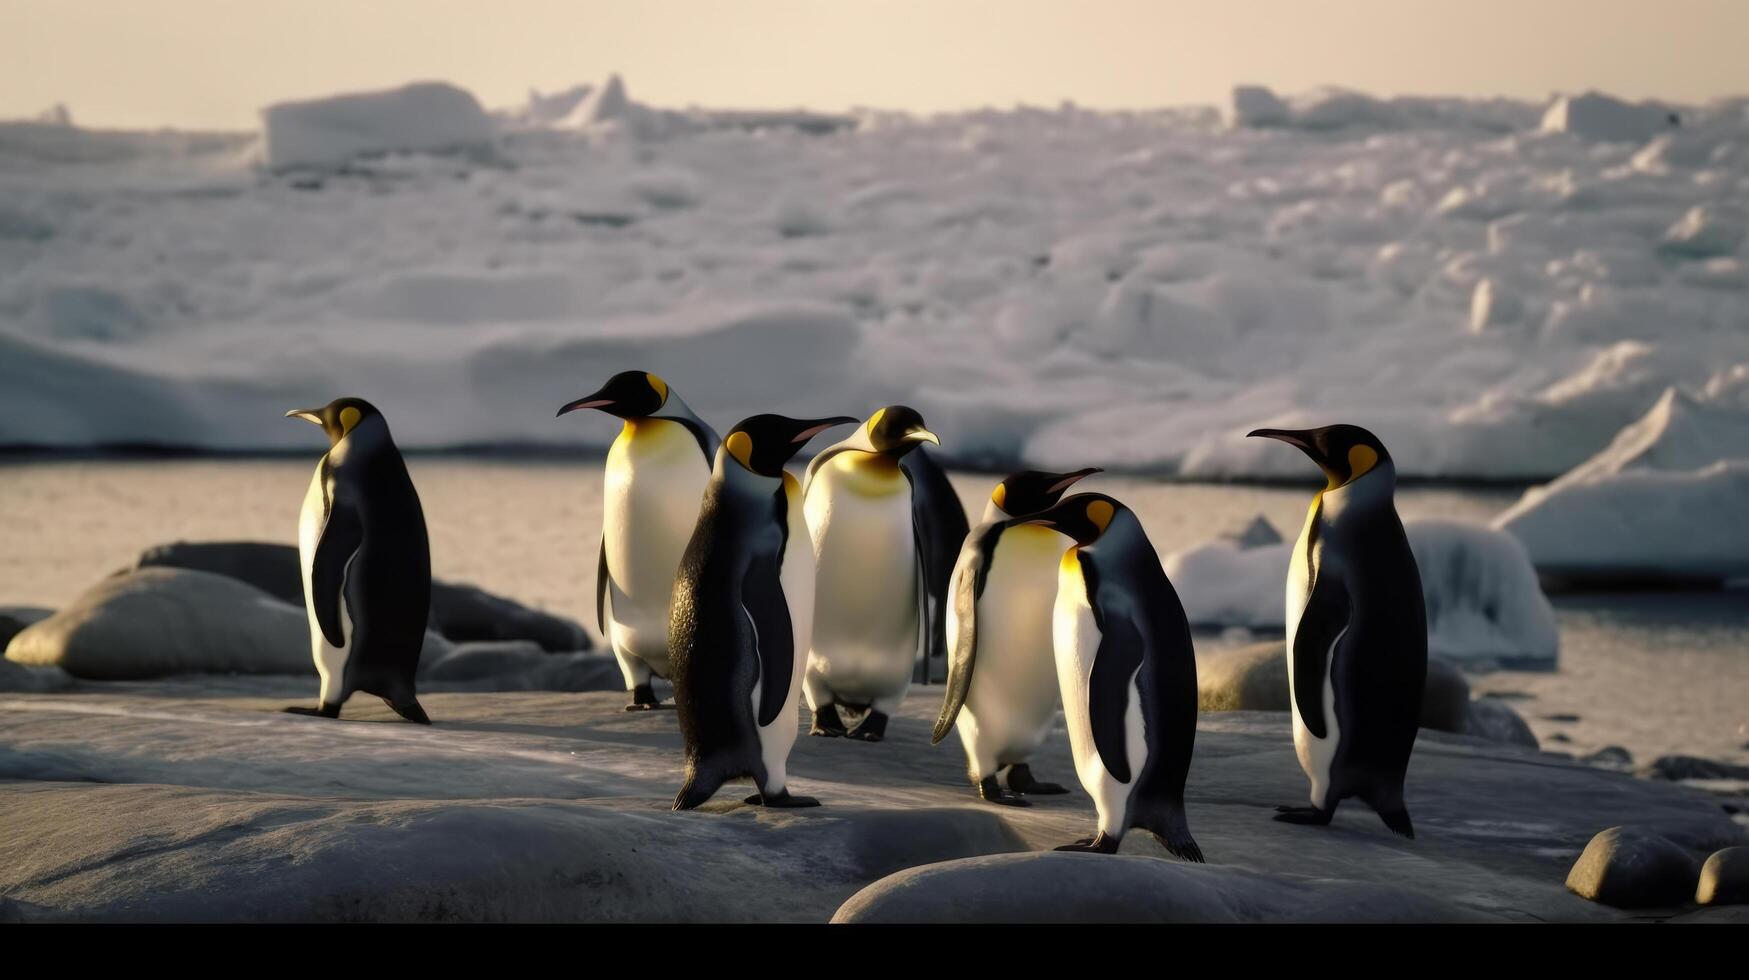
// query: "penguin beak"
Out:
[311,415]
[1300,439]
[587,401]
[922,435]
[1070,479]
[816,426]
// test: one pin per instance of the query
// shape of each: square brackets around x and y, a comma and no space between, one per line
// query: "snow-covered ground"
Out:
[1496,288]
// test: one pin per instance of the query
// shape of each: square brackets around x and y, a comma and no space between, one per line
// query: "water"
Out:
[1656,673]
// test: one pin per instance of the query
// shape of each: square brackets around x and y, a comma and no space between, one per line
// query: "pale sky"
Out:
[213,63]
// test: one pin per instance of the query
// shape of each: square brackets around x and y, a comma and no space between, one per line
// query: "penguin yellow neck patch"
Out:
[740,446]
[349,418]
[1100,513]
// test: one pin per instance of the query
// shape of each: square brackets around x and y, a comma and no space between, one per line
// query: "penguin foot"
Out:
[827,724]
[1308,815]
[992,792]
[410,711]
[325,711]
[1102,843]
[872,729]
[644,699]
[1182,848]
[1020,780]
[783,800]
[1398,821]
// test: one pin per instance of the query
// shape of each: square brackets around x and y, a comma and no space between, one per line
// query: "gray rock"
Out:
[1056,887]
[1724,878]
[1610,757]
[461,613]
[17,678]
[1678,767]
[1445,701]
[1493,719]
[518,666]
[13,620]
[1633,868]
[1257,534]
[161,621]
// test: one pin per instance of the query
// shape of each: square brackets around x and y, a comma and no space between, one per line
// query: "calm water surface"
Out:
[1657,673]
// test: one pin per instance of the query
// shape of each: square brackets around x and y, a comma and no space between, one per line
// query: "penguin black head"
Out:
[1031,491]
[1344,452]
[337,418]
[1083,517]
[764,443]
[896,430]
[627,395]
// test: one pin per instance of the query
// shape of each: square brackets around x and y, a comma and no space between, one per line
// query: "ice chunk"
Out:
[1664,501]
[1257,106]
[608,103]
[1703,233]
[1601,117]
[425,116]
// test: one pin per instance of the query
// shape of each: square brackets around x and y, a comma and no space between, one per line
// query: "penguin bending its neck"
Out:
[868,521]
[742,615]
[1127,674]
[656,474]
[1356,631]
[1002,672]
[366,563]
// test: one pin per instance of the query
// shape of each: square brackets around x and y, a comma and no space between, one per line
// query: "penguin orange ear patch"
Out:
[349,417]
[1000,497]
[1360,460]
[657,385]
[740,446]
[875,419]
[1100,513]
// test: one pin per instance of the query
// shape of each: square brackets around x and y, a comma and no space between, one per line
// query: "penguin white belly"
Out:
[653,485]
[797,579]
[1315,754]
[865,636]
[1012,700]
[1077,639]
[330,659]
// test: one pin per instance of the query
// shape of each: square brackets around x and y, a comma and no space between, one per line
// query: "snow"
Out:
[1664,501]
[332,131]
[1596,116]
[1484,605]
[1052,287]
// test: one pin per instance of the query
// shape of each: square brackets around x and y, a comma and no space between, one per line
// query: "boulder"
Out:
[462,613]
[161,621]
[1057,887]
[17,678]
[1494,720]
[1633,868]
[518,665]
[1610,757]
[1724,878]
[1679,767]
[13,620]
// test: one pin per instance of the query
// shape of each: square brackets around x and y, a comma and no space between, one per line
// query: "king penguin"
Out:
[1127,673]
[366,563]
[656,474]
[1002,673]
[743,614]
[871,609]
[1356,631]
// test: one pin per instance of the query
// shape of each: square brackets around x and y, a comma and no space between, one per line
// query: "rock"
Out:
[462,613]
[1259,533]
[1631,868]
[1724,878]
[518,665]
[17,678]
[13,620]
[1057,887]
[1610,757]
[1563,717]
[1494,720]
[1445,701]
[161,621]
[1678,767]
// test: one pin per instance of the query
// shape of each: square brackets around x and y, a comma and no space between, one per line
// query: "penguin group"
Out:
[748,589]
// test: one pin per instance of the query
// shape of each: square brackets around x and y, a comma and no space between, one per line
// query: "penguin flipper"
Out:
[1321,625]
[962,648]
[1108,691]
[938,521]
[342,535]
[767,611]
[601,586]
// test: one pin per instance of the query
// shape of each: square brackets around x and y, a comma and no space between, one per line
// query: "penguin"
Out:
[743,614]
[1127,673]
[942,527]
[366,563]
[871,606]
[1356,631]
[656,474]
[1004,585]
